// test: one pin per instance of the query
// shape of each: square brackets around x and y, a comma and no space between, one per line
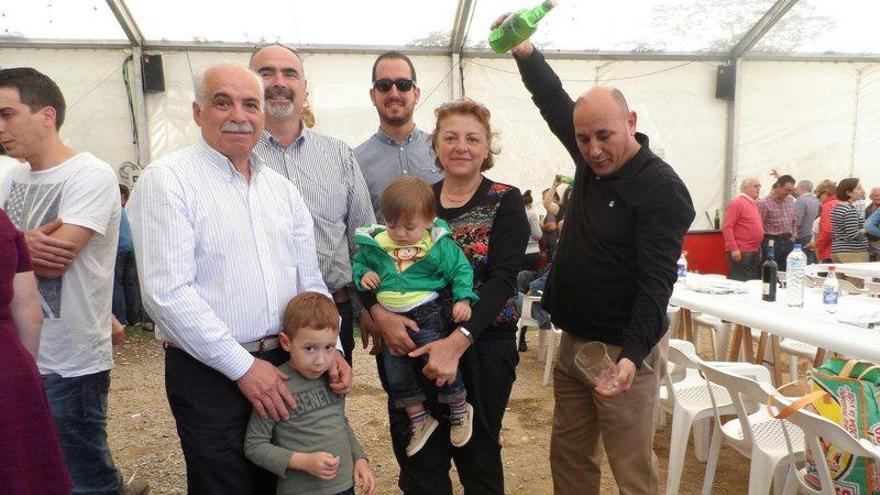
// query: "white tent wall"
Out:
[97,118]
[338,86]
[676,107]
[813,120]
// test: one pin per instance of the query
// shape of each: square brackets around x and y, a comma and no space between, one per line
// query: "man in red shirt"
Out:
[743,232]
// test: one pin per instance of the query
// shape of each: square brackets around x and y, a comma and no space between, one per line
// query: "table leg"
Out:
[777,361]
[748,344]
[735,343]
[820,357]
[683,315]
[762,347]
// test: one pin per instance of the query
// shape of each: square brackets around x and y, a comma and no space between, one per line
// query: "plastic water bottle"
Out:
[830,291]
[682,267]
[797,264]
[518,27]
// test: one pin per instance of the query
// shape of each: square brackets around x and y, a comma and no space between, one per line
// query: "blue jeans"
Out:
[126,290]
[400,371]
[79,408]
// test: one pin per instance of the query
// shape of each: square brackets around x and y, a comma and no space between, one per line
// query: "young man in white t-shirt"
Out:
[67,203]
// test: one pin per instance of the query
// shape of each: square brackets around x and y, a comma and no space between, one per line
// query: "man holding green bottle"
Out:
[610,282]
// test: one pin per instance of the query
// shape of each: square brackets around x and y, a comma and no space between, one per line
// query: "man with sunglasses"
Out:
[324,170]
[399,148]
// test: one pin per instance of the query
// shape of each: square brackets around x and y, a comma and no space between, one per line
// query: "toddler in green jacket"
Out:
[407,262]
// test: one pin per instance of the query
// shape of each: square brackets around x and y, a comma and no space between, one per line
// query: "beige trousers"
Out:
[625,423]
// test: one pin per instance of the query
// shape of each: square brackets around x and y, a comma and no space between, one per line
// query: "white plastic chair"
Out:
[689,402]
[754,433]
[815,427]
[526,320]
[552,344]
[719,333]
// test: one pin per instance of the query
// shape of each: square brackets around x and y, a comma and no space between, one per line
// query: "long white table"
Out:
[810,324]
[864,270]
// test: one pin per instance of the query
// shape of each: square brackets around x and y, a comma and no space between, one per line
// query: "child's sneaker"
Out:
[420,435]
[461,429]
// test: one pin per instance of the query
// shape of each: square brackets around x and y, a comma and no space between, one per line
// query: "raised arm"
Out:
[555,105]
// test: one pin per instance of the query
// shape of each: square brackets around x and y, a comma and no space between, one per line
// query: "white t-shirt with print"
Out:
[81,191]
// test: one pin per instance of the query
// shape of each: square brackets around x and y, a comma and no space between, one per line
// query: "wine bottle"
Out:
[769,274]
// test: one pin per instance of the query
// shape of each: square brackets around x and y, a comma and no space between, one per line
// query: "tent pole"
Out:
[730,153]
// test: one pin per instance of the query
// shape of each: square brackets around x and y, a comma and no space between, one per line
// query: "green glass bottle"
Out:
[518,27]
[564,179]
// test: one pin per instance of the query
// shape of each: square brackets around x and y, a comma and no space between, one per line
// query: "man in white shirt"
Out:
[222,244]
[321,167]
[68,205]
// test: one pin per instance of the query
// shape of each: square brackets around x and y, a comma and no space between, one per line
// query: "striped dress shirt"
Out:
[219,257]
[327,175]
[778,215]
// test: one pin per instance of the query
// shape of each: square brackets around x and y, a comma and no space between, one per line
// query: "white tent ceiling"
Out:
[645,27]
[807,86]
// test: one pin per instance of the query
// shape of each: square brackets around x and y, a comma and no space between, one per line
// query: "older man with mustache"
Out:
[324,170]
[223,243]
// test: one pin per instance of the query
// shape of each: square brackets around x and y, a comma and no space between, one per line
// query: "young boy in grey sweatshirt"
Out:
[315,451]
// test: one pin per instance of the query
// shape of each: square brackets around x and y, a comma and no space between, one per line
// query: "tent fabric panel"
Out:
[97,118]
[800,118]
[674,102]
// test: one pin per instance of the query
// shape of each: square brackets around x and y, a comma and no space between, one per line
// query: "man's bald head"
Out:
[605,129]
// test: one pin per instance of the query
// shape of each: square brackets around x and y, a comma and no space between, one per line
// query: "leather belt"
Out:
[263,345]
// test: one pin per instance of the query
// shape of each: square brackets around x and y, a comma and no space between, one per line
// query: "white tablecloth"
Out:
[810,324]
[866,270]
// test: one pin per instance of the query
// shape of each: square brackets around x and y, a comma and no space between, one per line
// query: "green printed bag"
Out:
[850,400]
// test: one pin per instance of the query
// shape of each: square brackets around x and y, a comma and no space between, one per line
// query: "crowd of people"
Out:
[832,222]
[259,245]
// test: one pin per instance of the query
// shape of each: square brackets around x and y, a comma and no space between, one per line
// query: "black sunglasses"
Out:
[403,85]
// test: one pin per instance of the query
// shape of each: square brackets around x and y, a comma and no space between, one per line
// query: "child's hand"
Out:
[461,311]
[363,477]
[319,464]
[370,280]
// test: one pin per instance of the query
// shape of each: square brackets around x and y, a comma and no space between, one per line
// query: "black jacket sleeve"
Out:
[660,228]
[556,106]
[507,245]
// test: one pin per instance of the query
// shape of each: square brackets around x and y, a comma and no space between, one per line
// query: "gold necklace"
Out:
[460,200]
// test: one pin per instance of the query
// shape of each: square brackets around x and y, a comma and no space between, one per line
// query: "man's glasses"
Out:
[403,85]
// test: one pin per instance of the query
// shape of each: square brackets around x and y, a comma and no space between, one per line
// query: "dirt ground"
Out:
[145,444]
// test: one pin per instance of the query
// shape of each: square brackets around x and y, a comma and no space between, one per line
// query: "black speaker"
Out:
[153,73]
[725,82]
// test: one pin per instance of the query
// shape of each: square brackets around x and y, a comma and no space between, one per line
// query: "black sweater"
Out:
[615,265]
[492,229]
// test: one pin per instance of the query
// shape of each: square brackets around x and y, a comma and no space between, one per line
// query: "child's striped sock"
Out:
[458,409]
[418,417]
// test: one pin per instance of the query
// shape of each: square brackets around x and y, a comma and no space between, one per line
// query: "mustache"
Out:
[238,128]
[276,91]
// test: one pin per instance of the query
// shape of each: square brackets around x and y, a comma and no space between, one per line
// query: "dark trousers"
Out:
[346,329]
[781,248]
[212,416]
[530,261]
[747,268]
[488,369]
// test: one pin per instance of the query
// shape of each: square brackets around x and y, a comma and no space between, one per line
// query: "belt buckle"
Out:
[262,346]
